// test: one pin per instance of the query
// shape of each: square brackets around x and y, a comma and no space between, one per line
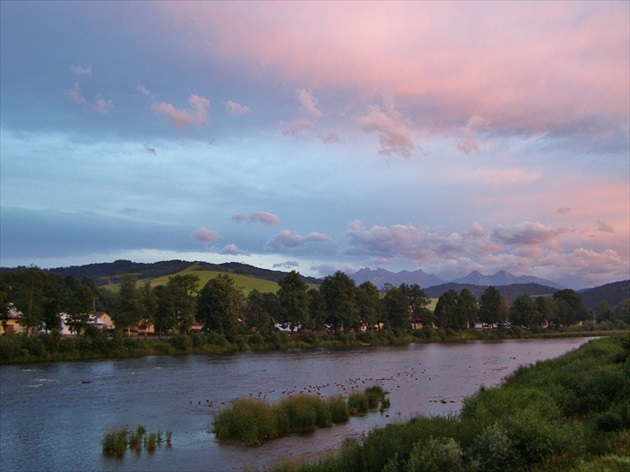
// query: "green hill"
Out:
[246,282]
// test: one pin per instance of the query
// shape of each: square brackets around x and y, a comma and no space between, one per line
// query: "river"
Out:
[53,416]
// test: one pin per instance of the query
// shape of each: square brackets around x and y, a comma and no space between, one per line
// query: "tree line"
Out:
[337,304]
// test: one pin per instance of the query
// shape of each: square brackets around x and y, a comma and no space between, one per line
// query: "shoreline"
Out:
[20,349]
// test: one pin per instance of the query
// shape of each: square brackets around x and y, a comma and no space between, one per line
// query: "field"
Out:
[246,282]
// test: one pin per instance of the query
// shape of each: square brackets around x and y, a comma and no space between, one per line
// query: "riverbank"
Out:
[566,414]
[98,345]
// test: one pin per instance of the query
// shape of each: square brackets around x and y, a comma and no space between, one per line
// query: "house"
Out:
[144,326]
[65,327]
[103,321]
[11,321]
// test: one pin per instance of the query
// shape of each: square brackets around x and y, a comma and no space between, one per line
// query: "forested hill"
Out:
[109,272]
[510,291]
[613,293]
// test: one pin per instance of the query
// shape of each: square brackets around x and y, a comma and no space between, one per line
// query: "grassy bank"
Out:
[567,414]
[95,345]
[253,421]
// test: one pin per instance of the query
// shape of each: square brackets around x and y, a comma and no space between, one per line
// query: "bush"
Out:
[181,342]
[358,404]
[492,451]
[338,410]
[443,454]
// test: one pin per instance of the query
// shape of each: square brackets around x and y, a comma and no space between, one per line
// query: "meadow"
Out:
[246,283]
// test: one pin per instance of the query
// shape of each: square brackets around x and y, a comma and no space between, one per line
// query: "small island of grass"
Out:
[253,421]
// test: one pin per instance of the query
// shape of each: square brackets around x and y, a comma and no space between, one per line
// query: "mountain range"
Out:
[380,277]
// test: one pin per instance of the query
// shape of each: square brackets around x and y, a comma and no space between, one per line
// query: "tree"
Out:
[396,308]
[316,308]
[293,299]
[255,312]
[468,307]
[547,310]
[80,305]
[339,293]
[28,294]
[446,310]
[369,303]
[603,311]
[492,307]
[149,303]
[128,308]
[182,291]
[571,308]
[219,304]
[523,312]
[418,303]
[622,311]
[164,320]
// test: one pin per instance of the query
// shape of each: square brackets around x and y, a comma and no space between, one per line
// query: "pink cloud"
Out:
[101,105]
[236,109]
[143,90]
[289,239]
[296,127]
[552,67]
[469,143]
[205,235]
[81,70]
[526,233]
[309,103]
[197,113]
[393,134]
[233,250]
[75,96]
[259,216]
[604,227]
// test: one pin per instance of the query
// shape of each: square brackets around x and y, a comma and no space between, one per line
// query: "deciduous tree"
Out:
[219,304]
[293,299]
[492,307]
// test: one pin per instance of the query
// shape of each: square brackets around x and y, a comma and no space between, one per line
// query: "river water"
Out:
[53,416]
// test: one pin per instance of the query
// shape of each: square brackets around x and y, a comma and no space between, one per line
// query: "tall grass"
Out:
[117,440]
[253,421]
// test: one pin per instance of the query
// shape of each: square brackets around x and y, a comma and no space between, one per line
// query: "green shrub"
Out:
[442,454]
[338,410]
[358,404]
[249,420]
[181,342]
[492,451]
[115,442]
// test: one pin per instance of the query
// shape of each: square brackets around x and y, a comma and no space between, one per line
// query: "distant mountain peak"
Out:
[503,277]
[380,277]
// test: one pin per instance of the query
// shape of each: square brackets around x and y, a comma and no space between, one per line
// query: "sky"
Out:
[319,136]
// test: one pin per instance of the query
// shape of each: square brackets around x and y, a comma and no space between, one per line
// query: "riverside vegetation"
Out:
[567,414]
[118,440]
[95,344]
[253,421]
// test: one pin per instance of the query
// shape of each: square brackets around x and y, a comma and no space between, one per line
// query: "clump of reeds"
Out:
[117,440]
[253,421]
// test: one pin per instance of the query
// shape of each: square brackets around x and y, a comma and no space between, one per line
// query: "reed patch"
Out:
[254,421]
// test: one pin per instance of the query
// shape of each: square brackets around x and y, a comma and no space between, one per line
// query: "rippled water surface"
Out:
[53,416]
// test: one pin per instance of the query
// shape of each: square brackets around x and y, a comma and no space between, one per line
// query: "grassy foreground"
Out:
[567,414]
[253,421]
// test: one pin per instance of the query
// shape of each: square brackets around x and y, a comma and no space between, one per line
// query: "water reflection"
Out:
[51,419]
